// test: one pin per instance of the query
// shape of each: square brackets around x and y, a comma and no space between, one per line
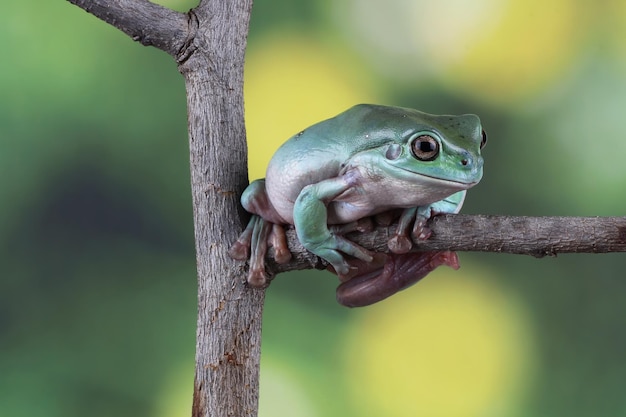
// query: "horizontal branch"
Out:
[146,22]
[535,236]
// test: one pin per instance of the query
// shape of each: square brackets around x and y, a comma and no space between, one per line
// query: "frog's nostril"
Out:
[464,162]
[393,152]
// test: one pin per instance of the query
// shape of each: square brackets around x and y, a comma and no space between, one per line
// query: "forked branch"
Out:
[145,22]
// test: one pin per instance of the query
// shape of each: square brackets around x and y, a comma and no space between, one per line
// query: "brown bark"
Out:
[209,44]
[229,313]
[535,236]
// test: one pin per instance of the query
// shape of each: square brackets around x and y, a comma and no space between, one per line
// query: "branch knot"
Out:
[188,47]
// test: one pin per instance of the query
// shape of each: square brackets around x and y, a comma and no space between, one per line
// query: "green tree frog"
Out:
[391,163]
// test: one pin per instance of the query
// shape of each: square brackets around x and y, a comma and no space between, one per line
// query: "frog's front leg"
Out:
[418,217]
[310,217]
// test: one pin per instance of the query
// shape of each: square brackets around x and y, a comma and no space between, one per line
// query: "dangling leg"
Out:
[398,272]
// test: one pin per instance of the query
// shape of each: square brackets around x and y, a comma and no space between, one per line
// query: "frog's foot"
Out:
[253,244]
[368,283]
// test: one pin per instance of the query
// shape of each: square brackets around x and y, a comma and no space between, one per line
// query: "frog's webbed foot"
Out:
[370,282]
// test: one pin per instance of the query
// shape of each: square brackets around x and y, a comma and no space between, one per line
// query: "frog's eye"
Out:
[484,141]
[425,148]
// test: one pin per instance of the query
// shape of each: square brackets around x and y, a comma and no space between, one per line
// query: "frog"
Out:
[371,164]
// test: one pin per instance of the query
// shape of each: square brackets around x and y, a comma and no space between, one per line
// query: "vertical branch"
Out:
[209,45]
[229,313]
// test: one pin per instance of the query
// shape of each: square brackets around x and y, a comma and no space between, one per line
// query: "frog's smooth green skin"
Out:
[369,160]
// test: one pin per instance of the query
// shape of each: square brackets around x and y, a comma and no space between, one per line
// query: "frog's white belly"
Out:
[375,197]
[367,196]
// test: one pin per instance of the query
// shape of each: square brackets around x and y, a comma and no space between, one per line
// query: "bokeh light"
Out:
[500,51]
[292,82]
[97,264]
[456,345]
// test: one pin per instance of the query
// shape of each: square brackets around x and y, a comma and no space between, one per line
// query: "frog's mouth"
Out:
[370,282]
[462,185]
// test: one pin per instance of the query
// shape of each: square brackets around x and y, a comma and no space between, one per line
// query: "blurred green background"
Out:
[97,273]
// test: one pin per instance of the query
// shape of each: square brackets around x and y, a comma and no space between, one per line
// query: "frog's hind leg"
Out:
[253,244]
[389,274]
[262,230]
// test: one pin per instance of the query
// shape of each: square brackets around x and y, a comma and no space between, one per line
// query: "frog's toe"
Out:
[257,278]
[399,244]
[281,256]
[278,240]
[420,230]
[239,251]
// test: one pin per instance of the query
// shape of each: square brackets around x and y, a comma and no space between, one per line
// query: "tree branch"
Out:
[209,45]
[535,236]
[145,22]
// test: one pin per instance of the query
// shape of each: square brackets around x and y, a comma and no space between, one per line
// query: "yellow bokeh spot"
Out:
[457,345]
[292,82]
[281,394]
[531,45]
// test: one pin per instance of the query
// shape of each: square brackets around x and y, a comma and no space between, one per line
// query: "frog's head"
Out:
[411,143]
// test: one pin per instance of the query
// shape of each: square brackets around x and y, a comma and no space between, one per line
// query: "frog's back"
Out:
[319,152]
[308,157]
